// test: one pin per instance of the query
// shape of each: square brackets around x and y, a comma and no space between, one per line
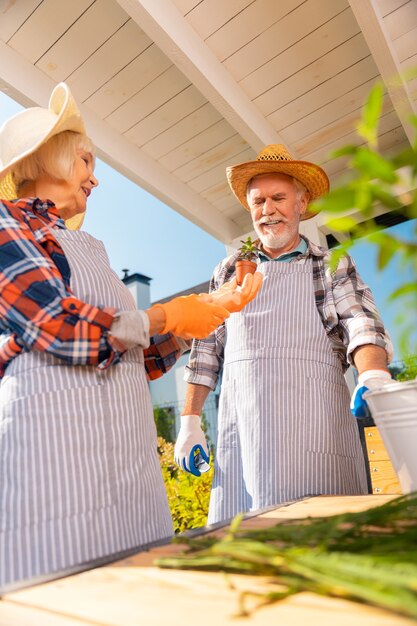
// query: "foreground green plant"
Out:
[378,180]
[368,557]
[188,495]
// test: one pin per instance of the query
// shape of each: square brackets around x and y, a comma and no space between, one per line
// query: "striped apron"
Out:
[284,426]
[80,475]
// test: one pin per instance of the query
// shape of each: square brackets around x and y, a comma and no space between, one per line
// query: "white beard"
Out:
[277,241]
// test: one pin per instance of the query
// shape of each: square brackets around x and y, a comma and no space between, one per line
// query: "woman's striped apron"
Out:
[284,426]
[79,471]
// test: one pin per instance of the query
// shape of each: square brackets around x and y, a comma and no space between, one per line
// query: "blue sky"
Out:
[144,235]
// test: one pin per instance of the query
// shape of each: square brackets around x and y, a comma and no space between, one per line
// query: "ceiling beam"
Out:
[372,25]
[166,26]
[31,87]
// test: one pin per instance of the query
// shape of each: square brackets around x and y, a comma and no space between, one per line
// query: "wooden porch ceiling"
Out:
[173,91]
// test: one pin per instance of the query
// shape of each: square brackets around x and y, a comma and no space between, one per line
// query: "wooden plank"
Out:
[193,128]
[284,92]
[50,21]
[227,203]
[13,15]
[130,593]
[185,5]
[386,7]
[218,173]
[327,138]
[327,116]
[374,445]
[301,54]
[89,32]
[317,149]
[233,211]
[115,54]
[225,151]
[12,614]
[210,15]
[406,45]
[390,143]
[129,81]
[336,89]
[218,191]
[166,116]
[383,477]
[402,20]
[247,25]
[158,92]
[283,35]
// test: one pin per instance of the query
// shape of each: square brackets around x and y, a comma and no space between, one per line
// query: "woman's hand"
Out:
[234,298]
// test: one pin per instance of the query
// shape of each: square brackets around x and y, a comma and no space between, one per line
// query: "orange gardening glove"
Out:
[234,298]
[194,316]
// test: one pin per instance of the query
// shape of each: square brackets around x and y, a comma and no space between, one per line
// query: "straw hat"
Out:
[275,158]
[26,131]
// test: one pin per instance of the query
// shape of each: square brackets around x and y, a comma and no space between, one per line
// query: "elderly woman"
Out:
[80,477]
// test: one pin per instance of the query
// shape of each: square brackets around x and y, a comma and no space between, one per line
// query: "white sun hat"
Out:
[25,132]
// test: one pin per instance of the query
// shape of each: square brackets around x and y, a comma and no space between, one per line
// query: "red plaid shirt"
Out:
[38,310]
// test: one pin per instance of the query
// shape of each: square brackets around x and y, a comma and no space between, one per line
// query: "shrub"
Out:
[165,422]
[188,495]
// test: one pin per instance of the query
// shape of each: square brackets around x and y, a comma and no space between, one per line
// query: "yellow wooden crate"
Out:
[383,476]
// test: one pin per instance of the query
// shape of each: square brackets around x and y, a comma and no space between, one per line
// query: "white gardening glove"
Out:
[191,443]
[131,328]
[370,379]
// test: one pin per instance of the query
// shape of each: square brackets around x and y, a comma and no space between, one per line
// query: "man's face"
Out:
[276,207]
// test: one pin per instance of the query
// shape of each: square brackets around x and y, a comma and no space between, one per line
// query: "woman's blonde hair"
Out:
[55,158]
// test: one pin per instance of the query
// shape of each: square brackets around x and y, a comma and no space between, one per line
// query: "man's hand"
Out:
[370,379]
[234,298]
[190,440]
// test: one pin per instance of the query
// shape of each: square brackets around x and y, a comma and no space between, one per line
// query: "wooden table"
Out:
[134,592]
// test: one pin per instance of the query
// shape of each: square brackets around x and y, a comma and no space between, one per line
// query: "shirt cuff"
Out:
[193,377]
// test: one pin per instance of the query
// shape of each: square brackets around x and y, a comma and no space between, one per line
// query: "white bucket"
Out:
[394,409]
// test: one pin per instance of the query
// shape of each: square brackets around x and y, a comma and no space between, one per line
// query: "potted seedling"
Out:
[245,263]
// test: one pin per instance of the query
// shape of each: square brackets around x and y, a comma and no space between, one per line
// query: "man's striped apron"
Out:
[284,427]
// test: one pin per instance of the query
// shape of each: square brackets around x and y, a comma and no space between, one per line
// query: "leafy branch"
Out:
[369,557]
[377,180]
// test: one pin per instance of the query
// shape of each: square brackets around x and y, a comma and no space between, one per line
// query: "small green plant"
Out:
[188,495]
[248,251]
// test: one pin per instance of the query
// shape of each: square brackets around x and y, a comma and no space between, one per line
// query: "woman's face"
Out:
[71,195]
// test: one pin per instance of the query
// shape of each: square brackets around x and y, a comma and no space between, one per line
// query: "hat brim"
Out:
[62,114]
[310,175]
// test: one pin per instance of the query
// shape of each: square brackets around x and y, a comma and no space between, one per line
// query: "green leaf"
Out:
[385,197]
[347,150]
[371,111]
[374,165]
[342,224]
[337,201]
[384,256]
[406,289]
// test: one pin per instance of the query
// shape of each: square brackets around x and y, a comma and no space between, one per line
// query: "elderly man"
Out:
[284,425]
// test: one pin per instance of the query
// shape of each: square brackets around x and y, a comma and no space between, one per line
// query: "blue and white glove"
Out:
[370,379]
[191,452]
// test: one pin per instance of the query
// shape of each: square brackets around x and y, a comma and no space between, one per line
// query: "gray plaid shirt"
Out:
[345,304]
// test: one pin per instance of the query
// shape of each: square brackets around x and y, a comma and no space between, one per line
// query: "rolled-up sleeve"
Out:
[359,322]
[206,359]
[38,310]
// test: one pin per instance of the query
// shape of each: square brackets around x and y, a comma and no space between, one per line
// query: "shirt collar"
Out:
[45,209]
[298,250]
